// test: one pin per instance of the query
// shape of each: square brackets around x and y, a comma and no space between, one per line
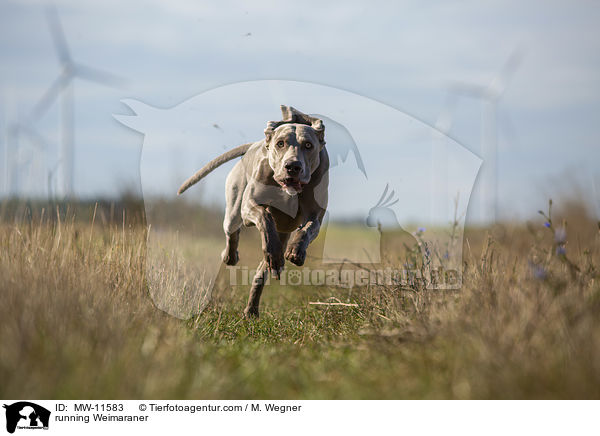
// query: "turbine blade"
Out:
[50,95]
[98,76]
[499,83]
[38,140]
[512,63]
[58,36]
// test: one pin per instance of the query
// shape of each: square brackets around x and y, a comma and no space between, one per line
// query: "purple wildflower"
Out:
[547,224]
[539,273]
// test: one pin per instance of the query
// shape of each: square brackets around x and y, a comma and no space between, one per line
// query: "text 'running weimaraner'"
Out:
[280,186]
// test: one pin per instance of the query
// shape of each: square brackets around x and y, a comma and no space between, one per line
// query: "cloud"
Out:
[401,54]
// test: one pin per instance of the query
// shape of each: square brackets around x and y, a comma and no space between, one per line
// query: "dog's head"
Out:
[294,145]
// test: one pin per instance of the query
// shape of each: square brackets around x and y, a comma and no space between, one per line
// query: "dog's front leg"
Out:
[271,244]
[258,283]
[300,239]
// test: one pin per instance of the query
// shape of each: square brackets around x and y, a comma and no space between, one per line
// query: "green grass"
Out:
[76,321]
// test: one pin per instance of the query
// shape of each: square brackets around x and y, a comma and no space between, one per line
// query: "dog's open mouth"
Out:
[291,183]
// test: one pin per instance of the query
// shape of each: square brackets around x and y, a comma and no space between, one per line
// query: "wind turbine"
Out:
[52,186]
[10,160]
[10,139]
[63,87]
[37,161]
[489,95]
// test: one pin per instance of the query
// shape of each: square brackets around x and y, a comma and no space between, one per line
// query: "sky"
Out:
[404,55]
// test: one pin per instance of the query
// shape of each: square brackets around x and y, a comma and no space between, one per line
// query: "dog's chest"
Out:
[284,222]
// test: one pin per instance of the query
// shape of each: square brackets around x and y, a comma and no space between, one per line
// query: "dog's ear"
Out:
[293,115]
[288,113]
[271,126]
[319,129]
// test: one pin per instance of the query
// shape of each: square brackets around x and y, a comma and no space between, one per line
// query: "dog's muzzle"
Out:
[293,170]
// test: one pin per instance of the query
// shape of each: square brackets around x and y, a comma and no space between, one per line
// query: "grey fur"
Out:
[280,186]
[213,165]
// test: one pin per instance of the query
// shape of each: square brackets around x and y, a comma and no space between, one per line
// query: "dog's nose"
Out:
[293,167]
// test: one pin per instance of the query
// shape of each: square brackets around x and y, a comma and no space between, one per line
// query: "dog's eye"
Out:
[280,144]
[308,145]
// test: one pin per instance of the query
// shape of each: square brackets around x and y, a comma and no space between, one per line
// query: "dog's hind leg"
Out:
[234,191]
[230,253]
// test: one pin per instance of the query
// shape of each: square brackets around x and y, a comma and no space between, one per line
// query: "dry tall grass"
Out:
[76,322]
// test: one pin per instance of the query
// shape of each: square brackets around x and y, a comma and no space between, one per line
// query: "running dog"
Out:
[280,186]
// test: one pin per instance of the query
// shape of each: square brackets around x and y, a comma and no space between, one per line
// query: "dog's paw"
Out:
[296,254]
[230,258]
[275,262]
[273,256]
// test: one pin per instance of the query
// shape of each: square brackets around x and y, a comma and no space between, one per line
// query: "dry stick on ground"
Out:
[335,303]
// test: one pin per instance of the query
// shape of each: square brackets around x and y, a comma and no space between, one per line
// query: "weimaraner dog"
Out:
[280,186]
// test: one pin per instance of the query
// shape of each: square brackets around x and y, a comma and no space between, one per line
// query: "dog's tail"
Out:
[214,164]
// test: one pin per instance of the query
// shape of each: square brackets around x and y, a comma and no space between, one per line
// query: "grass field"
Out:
[76,321]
